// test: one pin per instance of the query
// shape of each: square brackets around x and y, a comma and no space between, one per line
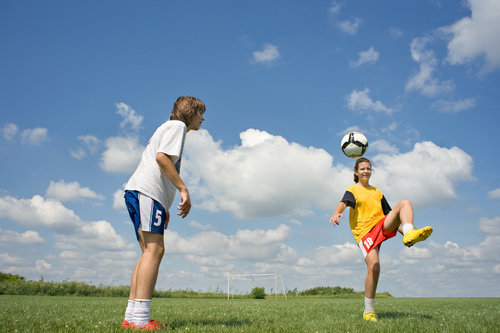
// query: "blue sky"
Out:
[83,85]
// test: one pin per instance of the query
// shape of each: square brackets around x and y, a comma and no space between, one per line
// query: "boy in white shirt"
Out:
[148,195]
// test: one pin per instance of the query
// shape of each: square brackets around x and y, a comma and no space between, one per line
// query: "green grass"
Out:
[104,314]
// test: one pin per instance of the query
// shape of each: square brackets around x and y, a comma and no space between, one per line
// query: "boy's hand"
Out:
[185,205]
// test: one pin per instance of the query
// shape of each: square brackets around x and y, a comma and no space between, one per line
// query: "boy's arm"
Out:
[338,213]
[168,169]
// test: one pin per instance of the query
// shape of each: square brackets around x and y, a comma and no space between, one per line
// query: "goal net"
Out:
[255,277]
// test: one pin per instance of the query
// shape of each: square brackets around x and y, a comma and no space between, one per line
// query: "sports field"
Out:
[104,314]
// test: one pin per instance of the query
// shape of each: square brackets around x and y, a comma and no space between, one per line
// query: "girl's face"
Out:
[364,171]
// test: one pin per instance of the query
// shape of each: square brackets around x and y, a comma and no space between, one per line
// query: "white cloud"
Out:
[474,37]
[229,183]
[129,116]
[423,80]
[451,255]
[34,136]
[435,269]
[496,269]
[350,28]
[246,245]
[391,127]
[454,107]
[78,154]
[360,101]
[64,246]
[8,237]
[439,171]
[122,155]
[23,267]
[383,147]
[37,212]
[349,130]
[43,266]
[268,54]
[200,226]
[414,254]
[206,261]
[371,56]
[295,222]
[7,259]
[335,8]
[395,32]
[63,191]
[9,131]
[495,194]
[489,226]
[119,201]
[176,245]
[91,143]
[99,236]
[346,254]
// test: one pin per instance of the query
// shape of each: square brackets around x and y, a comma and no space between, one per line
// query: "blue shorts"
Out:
[146,213]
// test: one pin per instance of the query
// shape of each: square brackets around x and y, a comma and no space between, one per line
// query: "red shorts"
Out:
[375,237]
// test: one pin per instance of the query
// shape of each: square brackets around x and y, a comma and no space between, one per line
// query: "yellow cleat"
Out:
[370,316]
[415,236]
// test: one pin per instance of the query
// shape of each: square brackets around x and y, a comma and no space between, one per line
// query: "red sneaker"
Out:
[157,322]
[126,324]
[152,325]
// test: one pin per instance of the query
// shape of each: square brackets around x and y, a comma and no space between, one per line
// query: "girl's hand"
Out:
[335,219]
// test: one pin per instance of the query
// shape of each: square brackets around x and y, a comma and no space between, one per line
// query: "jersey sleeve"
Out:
[349,199]
[385,206]
[172,142]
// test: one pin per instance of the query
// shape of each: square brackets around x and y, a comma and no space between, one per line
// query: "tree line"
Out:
[11,284]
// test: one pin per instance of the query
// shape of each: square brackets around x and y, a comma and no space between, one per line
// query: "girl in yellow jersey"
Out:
[373,221]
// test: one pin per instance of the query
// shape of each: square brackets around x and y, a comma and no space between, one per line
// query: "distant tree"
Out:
[292,292]
[327,291]
[258,293]
[10,277]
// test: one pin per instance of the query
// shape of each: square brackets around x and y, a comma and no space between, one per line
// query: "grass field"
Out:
[104,314]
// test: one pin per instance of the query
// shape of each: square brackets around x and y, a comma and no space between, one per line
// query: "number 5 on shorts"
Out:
[158,218]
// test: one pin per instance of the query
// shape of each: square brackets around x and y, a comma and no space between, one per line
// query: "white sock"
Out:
[129,312]
[141,312]
[369,305]
[407,227]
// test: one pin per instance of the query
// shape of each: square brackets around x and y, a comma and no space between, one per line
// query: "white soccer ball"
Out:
[354,145]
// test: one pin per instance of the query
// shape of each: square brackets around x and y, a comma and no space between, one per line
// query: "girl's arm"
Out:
[338,213]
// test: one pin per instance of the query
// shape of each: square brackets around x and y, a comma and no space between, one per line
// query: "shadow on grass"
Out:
[399,315]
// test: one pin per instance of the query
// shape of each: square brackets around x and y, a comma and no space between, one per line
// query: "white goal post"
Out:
[255,277]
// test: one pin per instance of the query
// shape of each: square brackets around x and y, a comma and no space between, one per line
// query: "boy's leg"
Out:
[149,264]
[146,276]
[129,312]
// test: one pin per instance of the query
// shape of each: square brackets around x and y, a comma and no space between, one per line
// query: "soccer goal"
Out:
[255,277]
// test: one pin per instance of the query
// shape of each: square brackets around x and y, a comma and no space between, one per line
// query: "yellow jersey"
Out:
[368,206]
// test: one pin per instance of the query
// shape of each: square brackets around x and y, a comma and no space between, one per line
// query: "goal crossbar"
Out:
[255,277]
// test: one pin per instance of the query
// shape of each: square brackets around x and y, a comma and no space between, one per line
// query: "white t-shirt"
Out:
[148,178]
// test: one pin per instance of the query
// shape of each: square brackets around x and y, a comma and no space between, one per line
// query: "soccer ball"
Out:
[354,145]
